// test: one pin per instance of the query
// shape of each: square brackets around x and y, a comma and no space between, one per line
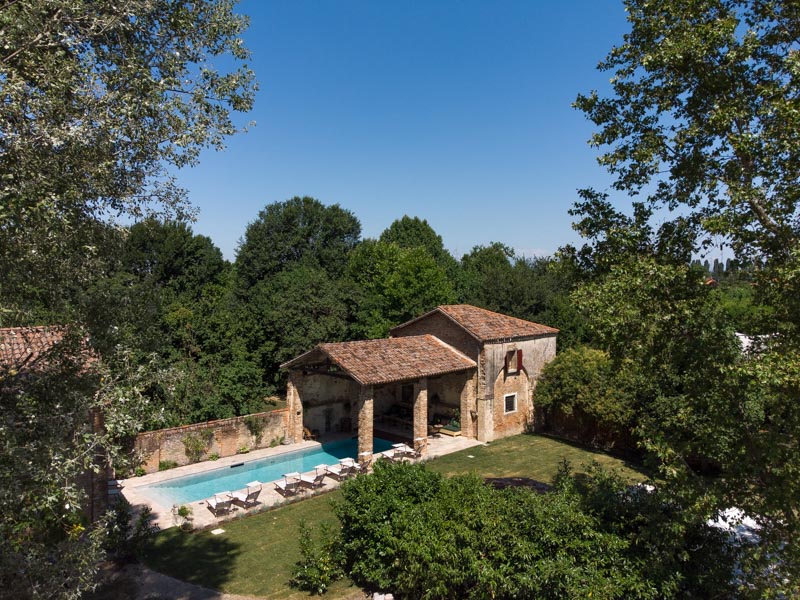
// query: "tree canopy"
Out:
[704,115]
[98,101]
[297,230]
[703,118]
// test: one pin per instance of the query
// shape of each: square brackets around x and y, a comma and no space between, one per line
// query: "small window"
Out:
[510,403]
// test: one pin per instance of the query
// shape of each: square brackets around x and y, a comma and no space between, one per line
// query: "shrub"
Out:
[598,400]
[167,464]
[255,425]
[410,531]
[320,563]
[196,444]
[127,538]
[182,516]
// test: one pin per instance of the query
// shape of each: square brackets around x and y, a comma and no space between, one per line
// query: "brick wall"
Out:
[325,403]
[227,436]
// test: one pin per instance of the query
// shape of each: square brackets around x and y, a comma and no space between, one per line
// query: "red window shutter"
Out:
[506,365]
[519,360]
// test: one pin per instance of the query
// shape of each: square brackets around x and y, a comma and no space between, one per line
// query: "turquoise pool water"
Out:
[191,488]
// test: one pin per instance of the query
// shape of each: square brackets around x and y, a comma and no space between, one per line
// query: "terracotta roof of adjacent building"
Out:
[21,347]
[372,362]
[485,325]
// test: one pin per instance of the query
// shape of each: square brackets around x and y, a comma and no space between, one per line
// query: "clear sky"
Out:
[457,111]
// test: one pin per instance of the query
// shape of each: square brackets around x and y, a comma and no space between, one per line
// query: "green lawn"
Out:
[255,555]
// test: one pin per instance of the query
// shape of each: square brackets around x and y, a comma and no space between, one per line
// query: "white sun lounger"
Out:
[220,503]
[317,481]
[289,485]
[340,471]
[251,497]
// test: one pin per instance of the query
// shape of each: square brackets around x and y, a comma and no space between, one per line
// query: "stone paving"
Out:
[134,489]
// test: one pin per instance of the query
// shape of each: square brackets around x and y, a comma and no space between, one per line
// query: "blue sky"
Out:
[458,112]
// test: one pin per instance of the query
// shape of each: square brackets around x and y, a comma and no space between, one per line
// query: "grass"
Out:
[256,554]
[534,456]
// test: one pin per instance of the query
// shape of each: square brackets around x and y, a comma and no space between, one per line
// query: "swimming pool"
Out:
[190,488]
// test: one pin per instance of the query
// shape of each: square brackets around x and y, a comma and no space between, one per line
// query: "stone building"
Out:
[457,370]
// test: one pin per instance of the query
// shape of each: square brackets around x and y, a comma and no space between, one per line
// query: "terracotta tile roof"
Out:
[372,362]
[21,347]
[486,326]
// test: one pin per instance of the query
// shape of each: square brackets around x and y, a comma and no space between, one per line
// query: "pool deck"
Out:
[134,489]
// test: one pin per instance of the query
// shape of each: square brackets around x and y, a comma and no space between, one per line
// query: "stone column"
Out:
[294,425]
[469,408]
[365,419]
[485,420]
[421,415]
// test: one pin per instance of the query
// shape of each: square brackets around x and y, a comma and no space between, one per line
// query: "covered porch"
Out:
[396,388]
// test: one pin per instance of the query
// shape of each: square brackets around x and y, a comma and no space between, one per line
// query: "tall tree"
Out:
[100,99]
[488,277]
[290,268]
[703,117]
[290,313]
[394,285]
[413,232]
[297,230]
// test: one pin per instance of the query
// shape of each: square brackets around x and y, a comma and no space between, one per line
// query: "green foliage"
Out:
[536,289]
[101,101]
[300,230]
[396,284]
[196,444]
[45,449]
[320,561]
[255,425]
[685,556]
[117,100]
[165,465]
[584,385]
[290,313]
[413,232]
[127,537]
[702,106]
[702,118]
[488,277]
[408,530]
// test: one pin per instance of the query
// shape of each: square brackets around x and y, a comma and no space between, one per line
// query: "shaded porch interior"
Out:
[330,406]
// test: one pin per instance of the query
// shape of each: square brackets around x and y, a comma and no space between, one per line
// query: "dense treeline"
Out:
[302,275]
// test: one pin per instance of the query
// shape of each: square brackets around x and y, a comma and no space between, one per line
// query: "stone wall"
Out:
[225,437]
[521,419]
[492,420]
[446,330]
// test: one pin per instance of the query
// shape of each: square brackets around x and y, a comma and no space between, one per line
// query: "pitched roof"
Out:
[485,325]
[22,346]
[372,362]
